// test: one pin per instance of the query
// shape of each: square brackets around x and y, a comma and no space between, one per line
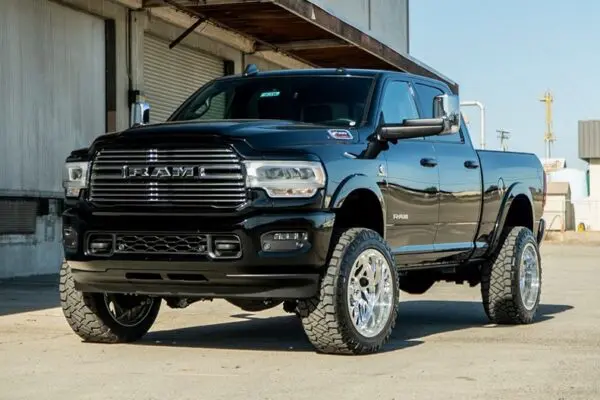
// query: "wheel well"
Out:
[360,209]
[520,213]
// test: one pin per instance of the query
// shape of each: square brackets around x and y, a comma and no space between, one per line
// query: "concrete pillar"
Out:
[137,26]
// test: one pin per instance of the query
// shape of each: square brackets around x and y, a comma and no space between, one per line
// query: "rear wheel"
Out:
[511,281]
[356,308]
[103,317]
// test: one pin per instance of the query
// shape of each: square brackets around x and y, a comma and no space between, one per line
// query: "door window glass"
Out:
[398,103]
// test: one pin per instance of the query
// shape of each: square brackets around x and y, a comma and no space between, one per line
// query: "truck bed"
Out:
[502,170]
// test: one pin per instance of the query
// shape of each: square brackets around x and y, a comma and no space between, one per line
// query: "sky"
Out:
[506,54]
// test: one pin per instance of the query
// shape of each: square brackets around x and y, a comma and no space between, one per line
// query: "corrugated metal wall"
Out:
[589,139]
[261,63]
[172,75]
[52,86]
[385,20]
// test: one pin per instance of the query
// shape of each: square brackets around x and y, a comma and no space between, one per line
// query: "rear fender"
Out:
[517,189]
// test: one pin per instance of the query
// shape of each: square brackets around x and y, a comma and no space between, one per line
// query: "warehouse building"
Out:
[70,70]
[587,210]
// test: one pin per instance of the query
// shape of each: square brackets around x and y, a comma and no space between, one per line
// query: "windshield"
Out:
[327,100]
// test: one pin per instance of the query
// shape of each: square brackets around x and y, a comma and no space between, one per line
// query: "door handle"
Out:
[428,162]
[471,164]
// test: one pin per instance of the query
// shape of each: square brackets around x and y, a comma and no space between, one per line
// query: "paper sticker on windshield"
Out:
[340,134]
[273,93]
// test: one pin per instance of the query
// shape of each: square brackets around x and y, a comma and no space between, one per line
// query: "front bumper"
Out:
[256,273]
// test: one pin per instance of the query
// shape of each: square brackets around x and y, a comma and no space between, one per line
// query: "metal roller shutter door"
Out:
[172,75]
[262,64]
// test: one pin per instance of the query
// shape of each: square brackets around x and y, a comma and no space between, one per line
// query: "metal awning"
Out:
[303,31]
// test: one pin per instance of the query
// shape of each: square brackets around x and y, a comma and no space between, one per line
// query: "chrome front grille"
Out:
[203,177]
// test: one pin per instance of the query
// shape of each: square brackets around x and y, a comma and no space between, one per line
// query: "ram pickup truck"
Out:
[325,191]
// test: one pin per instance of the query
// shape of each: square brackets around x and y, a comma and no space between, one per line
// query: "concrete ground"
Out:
[442,348]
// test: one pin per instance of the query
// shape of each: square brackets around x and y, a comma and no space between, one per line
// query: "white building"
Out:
[70,70]
[587,210]
[559,212]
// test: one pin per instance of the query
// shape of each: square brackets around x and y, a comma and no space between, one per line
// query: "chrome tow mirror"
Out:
[447,108]
[140,113]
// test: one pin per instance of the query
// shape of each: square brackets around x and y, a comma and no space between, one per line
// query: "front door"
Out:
[412,183]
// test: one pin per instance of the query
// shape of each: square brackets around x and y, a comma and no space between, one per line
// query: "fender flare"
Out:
[516,189]
[353,183]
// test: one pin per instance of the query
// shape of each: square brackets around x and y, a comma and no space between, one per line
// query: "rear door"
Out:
[412,182]
[460,194]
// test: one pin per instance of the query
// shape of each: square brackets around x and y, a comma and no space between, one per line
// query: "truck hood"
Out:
[258,134]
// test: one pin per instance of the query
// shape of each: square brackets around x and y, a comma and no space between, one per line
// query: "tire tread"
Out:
[325,329]
[81,310]
[499,282]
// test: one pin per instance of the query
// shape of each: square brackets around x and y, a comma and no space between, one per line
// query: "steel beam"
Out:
[305,45]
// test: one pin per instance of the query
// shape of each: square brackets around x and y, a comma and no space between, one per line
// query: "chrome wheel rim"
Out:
[128,310]
[370,293]
[529,276]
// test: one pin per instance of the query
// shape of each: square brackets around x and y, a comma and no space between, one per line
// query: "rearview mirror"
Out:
[445,121]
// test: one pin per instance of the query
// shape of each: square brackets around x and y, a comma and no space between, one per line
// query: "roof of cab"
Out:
[336,71]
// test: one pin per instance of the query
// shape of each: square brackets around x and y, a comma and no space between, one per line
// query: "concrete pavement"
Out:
[442,348]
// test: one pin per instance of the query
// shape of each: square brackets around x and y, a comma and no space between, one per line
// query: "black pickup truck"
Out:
[326,191]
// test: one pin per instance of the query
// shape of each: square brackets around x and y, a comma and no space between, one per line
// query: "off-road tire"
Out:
[89,317]
[502,300]
[326,318]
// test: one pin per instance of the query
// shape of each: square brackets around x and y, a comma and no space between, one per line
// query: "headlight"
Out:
[286,179]
[75,178]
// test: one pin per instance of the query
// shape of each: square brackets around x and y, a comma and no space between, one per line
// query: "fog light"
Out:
[100,245]
[70,238]
[226,247]
[284,241]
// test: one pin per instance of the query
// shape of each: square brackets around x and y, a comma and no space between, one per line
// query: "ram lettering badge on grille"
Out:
[156,171]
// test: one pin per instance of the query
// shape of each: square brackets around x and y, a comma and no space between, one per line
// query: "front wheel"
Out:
[511,282]
[356,308]
[103,317]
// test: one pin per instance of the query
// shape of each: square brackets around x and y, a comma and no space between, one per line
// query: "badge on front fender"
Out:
[340,134]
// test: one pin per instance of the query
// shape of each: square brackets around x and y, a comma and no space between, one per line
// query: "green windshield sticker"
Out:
[273,93]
